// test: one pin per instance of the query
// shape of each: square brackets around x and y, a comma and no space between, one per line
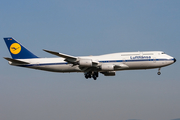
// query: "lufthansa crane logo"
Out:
[15,48]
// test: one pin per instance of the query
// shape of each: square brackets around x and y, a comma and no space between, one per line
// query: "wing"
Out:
[82,62]
[68,58]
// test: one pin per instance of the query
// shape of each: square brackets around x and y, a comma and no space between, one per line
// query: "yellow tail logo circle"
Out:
[15,48]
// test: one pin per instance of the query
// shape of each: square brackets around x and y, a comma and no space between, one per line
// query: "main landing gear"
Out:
[91,74]
[159,73]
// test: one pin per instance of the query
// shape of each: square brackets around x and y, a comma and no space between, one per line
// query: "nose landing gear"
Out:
[159,73]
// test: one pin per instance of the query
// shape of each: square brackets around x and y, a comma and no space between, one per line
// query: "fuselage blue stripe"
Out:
[136,60]
[108,61]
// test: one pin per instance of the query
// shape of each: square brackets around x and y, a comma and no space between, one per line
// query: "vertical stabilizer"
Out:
[18,51]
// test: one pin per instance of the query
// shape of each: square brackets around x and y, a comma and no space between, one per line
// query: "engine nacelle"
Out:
[109,73]
[107,67]
[85,62]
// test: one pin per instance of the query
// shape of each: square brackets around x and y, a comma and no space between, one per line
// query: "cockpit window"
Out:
[162,53]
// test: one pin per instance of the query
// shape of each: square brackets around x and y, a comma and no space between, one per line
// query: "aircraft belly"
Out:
[58,68]
[147,64]
[143,65]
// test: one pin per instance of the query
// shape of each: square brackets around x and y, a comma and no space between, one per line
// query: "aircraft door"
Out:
[124,61]
[154,60]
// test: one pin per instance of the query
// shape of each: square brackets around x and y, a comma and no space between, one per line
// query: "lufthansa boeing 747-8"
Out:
[91,66]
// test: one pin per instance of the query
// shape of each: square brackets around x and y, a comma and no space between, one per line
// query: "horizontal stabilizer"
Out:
[15,61]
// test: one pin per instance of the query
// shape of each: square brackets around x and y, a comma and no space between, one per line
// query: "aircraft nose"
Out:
[174,60]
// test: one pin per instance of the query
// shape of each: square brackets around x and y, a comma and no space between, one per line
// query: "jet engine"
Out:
[105,67]
[85,62]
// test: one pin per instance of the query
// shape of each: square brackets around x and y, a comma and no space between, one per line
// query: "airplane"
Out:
[91,66]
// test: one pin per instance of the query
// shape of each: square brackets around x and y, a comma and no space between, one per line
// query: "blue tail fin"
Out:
[17,50]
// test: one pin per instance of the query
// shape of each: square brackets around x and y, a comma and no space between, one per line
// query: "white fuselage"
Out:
[126,61]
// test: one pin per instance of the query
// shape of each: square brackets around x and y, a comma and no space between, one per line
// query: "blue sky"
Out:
[84,27]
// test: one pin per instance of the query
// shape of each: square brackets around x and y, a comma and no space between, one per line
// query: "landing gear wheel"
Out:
[91,74]
[159,73]
[86,77]
[94,76]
